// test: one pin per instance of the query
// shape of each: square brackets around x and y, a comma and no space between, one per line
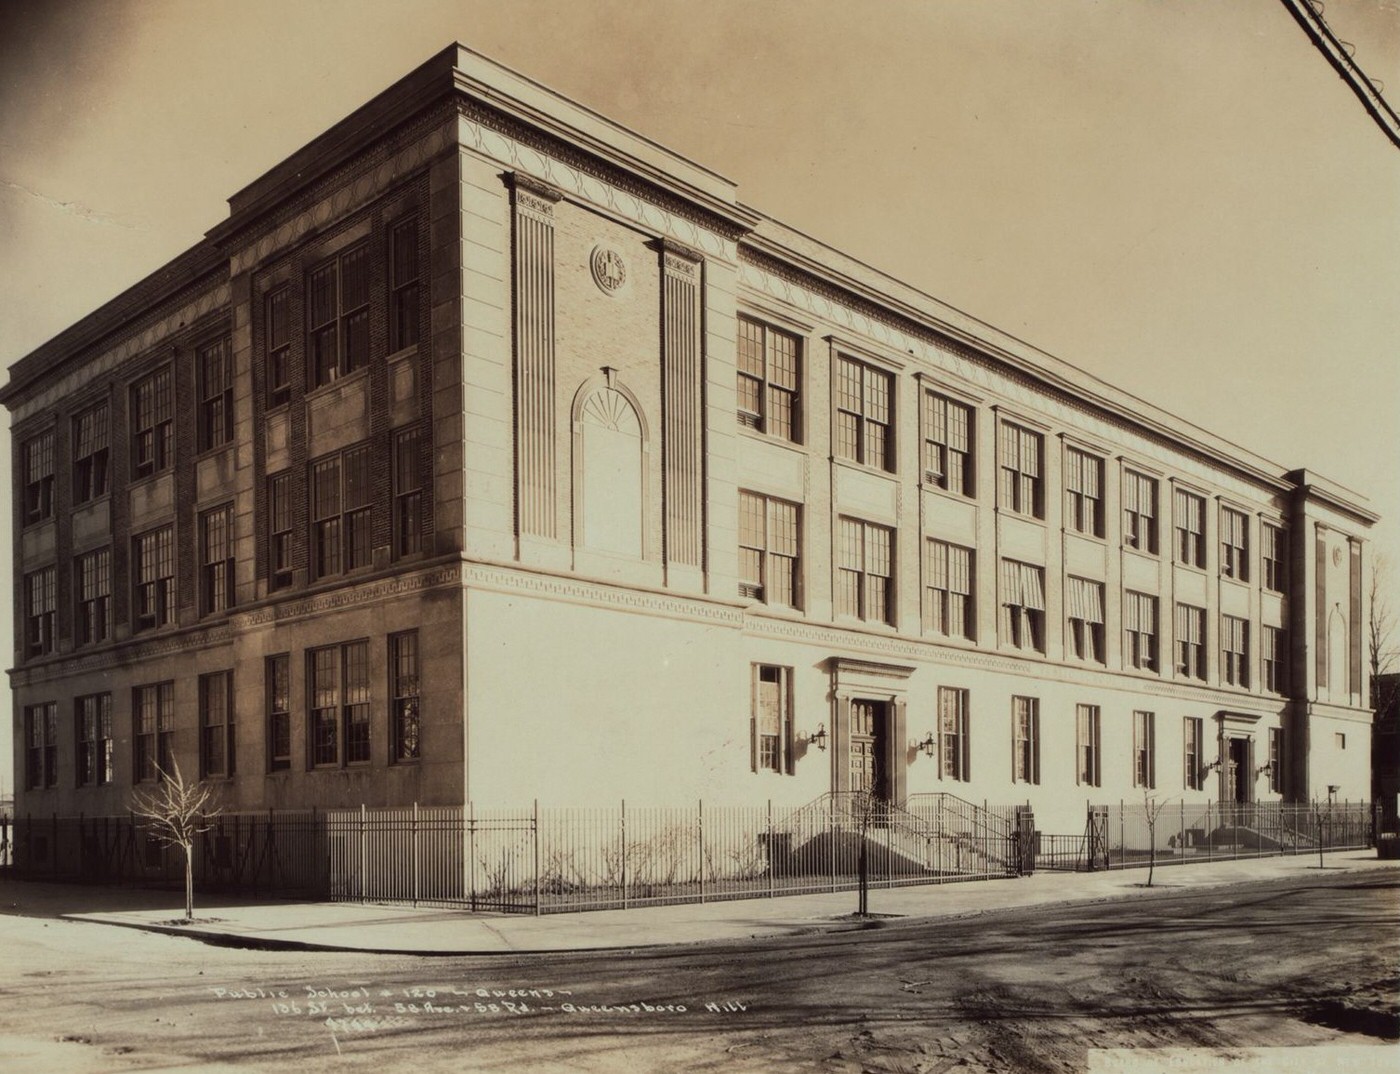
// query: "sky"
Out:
[1178,196]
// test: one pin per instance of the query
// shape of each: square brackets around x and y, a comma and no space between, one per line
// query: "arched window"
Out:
[609,501]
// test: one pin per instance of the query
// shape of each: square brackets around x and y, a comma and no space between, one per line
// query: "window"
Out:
[865,588]
[38,478]
[41,745]
[216,560]
[93,573]
[403,284]
[1144,750]
[1140,631]
[1276,760]
[1087,744]
[90,453]
[338,312]
[768,385]
[1340,739]
[1025,740]
[1190,529]
[408,492]
[1021,470]
[948,444]
[953,744]
[864,397]
[277,677]
[1275,654]
[1083,492]
[277,326]
[214,379]
[1271,539]
[948,589]
[1190,642]
[216,727]
[1234,641]
[1084,608]
[152,424]
[1192,736]
[768,549]
[1022,606]
[340,512]
[93,734]
[772,719]
[1234,544]
[1139,512]
[154,555]
[39,613]
[279,525]
[153,719]
[404,696]
[338,685]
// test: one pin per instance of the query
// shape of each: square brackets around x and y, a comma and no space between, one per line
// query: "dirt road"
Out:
[1285,963]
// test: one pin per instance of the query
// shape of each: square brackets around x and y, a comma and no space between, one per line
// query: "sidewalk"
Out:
[405,930]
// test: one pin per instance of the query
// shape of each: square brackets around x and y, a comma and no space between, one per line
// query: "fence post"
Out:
[831,836]
[623,831]
[364,849]
[535,834]
[770,848]
[471,849]
[700,837]
[413,850]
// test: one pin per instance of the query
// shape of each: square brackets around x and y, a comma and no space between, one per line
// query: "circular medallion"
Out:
[609,270]
[1336,557]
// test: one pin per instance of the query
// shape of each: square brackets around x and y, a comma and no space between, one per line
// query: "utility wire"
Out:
[1321,35]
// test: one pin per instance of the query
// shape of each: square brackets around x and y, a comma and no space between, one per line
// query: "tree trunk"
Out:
[189,883]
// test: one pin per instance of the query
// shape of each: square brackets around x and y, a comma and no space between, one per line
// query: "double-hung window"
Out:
[1139,631]
[1193,739]
[1144,750]
[1190,529]
[772,719]
[93,733]
[39,612]
[154,556]
[279,530]
[1084,611]
[1272,549]
[1234,544]
[1190,642]
[90,454]
[404,723]
[153,730]
[338,689]
[1139,512]
[216,726]
[1083,492]
[41,745]
[954,748]
[1022,470]
[214,369]
[865,587]
[948,433]
[1276,760]
[1025,740]
[1234,642]
[152,423]
[340,512]
[37,457]
[93,574]
[1088,744]
[403,284]
[948,589]
[769,379]
[216,560]
[1022,606]
[338,315]
[277,328]
[864,413]
[277,676]
[768,549]
[408,492]
[1275,656]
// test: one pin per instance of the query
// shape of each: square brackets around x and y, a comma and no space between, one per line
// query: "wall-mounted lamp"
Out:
[929,745]
[1213,766]
[1263,768]
[818,737]
[1332,789]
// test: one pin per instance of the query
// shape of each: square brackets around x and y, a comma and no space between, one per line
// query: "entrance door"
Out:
[1238,774]
[870,732]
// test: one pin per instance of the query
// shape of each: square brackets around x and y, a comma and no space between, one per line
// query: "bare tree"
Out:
[1380,630]
[177,813]
[1152,808]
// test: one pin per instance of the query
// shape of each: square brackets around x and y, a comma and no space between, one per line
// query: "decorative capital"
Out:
[533,196]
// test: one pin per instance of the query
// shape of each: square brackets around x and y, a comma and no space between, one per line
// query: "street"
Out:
[1305,961]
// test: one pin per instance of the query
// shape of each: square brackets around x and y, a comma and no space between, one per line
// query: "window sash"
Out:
[1144,750]
[404,695]
[1087,744]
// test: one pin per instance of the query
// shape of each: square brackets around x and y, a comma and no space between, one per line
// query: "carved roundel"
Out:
[609,270]
[1336,557]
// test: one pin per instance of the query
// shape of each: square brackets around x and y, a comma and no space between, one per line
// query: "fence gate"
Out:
[1025,841]
[1096,838]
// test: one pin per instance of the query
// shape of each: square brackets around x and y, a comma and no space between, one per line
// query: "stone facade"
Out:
[542,468]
